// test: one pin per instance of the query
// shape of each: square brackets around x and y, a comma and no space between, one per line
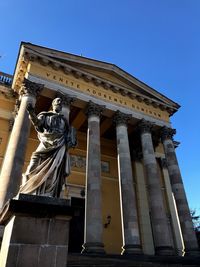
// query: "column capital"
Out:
[145,126]
[94,109]
[167,133]
[30,88]
[67,100]
[121,118]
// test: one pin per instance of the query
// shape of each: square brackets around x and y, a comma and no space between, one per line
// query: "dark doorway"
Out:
[76,231]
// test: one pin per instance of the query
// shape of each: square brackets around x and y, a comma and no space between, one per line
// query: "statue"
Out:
[50,163]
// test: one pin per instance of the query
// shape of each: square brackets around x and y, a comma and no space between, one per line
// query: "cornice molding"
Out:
[32,56]
[100,65]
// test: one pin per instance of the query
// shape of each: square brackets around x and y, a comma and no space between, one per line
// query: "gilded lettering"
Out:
[115,99]
[105,96]
[110,97]
[48,74]
[88,90]
[66,81]
[94,92]
[72,83]
[61,79]
[54,77]
[99,94]
[78,85]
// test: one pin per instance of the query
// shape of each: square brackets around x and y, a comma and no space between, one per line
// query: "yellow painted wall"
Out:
[6,109]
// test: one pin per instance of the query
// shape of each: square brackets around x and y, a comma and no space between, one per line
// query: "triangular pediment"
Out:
[105,72]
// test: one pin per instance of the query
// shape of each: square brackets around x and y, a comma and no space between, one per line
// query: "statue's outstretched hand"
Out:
[30,108]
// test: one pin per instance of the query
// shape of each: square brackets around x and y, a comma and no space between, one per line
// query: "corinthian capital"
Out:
[145,126]
[94,109]
[121,118]
[67,100]
[167,133]
[30,88]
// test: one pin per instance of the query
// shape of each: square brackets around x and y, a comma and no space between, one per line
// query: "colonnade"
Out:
[14,159]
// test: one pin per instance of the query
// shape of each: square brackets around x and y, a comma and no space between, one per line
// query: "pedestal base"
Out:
[164,251]
[192,253]
[132,250]
[36,232]
[93,248]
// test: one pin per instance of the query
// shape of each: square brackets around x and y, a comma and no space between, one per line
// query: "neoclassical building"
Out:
[125,186]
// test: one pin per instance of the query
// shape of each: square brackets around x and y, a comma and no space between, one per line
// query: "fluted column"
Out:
[93,208]
[130,227]
[159,222]
[11,172]
[189,236]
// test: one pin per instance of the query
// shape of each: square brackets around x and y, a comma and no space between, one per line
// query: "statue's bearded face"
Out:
[57,104]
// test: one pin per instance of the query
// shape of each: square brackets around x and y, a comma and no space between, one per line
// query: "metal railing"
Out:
[5,79]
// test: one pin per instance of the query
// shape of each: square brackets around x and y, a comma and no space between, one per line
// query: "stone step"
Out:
[78,260]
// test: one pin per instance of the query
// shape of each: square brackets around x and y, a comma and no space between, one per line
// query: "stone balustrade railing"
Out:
[5,79]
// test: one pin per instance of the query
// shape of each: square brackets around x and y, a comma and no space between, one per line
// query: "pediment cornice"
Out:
[28,54]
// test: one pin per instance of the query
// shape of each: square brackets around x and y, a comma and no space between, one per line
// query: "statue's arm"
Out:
[32,115]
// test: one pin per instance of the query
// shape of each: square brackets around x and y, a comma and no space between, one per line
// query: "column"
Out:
[93,202]
[130,228]
[189,237]
[159,222]
[11,172]
[173,211]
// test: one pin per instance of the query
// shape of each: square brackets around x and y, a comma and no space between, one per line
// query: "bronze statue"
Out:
[50,163]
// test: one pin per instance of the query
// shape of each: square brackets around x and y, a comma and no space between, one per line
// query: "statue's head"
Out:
[57,104]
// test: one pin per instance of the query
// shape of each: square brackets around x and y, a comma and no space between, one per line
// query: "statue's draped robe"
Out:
[49,164]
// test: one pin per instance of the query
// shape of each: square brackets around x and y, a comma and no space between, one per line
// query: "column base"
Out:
[164,251]
[131,250]
[93,248]
[192,252]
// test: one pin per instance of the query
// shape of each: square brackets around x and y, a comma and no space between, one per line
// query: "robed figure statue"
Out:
[50,163]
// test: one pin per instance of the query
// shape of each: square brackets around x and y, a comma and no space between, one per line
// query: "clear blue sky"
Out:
[157,41]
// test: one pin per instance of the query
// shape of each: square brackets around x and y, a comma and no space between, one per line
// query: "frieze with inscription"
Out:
[106,95]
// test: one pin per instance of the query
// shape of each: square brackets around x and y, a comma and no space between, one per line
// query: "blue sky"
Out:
[157,41]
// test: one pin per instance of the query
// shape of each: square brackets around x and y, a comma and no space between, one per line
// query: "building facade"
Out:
[125,185]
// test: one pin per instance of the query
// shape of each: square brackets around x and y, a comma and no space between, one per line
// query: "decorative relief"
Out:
[167,133]
[30,88]
[94,109]
[145,126]
[121,118]
[80,163]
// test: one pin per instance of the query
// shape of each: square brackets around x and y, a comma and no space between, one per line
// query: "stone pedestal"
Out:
[36,232]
